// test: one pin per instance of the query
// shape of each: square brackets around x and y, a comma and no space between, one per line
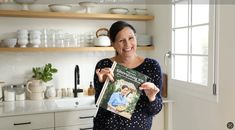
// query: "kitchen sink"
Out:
[75,102]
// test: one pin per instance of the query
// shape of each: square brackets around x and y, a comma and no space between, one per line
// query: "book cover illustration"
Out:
[122,95]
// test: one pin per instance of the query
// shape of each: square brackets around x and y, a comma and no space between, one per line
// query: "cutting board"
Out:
[164,85]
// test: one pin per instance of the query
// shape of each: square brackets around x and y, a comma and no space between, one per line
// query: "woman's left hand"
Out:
[150,90]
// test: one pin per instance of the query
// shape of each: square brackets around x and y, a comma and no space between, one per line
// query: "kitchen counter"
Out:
[14,108]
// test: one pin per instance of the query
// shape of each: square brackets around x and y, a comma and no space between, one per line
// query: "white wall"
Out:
[15,67]
[226,80]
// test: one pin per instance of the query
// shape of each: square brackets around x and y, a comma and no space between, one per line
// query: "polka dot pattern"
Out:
[145,110]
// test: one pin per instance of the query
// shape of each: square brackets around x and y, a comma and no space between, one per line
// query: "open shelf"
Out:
[70,15]
[67,49]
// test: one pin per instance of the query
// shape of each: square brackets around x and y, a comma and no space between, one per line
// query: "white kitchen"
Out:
[200,84]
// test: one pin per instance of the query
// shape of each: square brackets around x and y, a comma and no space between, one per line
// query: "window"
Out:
[193,46]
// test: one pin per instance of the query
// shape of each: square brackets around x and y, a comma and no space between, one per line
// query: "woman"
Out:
[123,38]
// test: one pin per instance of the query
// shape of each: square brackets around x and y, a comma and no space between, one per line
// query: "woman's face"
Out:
[125,42]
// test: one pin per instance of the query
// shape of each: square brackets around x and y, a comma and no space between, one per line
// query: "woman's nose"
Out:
[126,42]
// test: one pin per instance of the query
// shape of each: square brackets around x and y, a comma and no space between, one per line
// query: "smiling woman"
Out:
[123,39]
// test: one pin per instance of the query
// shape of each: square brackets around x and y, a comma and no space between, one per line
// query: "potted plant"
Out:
[45,73]
[41,75]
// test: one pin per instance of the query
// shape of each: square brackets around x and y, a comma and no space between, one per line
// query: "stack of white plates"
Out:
[144,40]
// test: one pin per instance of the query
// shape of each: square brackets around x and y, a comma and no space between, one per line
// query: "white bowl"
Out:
[60,7]
[118,10]
[11,42]
[141,11]
[25,1]
[22,42]
[87,4]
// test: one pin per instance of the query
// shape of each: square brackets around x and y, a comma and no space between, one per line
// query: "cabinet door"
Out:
[158,121]
[77,127]
[45,129]
[27,122]
[74,117]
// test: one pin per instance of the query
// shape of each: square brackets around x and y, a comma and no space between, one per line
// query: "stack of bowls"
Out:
[22,36]
[10,42]
[35,38]
[144,40]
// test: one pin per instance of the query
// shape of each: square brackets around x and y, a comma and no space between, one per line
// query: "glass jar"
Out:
[20,93]
[9,93]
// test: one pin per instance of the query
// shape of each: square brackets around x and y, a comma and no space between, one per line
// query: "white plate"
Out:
[118,10]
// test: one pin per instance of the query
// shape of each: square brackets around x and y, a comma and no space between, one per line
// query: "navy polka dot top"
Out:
[144,111]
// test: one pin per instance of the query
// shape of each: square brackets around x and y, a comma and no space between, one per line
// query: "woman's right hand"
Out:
[104,73]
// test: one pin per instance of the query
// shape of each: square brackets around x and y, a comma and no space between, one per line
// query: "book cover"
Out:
[122,95]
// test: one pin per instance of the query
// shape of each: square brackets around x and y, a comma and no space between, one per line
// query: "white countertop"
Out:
[14,108]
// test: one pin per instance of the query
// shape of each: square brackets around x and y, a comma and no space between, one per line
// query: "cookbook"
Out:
[121,95]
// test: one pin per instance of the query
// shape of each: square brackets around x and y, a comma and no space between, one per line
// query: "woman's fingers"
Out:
[104,73]
[150,90]
[149,86]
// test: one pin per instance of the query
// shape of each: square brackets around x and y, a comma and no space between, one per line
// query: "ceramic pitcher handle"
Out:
[27,87]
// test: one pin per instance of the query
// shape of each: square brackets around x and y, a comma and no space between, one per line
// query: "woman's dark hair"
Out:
[118,26]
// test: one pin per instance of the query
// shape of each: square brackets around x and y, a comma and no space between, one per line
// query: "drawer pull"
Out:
[24,123]
[84,117]
[90,128]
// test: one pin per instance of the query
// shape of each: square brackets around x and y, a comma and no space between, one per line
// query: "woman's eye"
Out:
[130,38]
[120,41]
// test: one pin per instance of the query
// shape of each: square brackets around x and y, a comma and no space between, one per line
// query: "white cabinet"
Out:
[70,120]
[77,127]
[158,121]
[28,122]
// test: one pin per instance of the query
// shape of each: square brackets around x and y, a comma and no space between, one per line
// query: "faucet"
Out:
[76,90]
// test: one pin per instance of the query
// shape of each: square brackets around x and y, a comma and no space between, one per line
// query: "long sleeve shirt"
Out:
[145,110]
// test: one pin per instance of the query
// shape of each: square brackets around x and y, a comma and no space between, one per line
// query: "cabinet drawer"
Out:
[27,122]
[77,127]
[74,117]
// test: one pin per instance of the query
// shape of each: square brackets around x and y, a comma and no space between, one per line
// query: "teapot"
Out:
[102,39]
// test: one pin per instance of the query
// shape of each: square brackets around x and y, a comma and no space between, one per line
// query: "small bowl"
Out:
[60,7]
[11,42]
[118,10]
[141,11]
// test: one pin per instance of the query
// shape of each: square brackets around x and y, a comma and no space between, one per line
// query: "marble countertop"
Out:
[14,108]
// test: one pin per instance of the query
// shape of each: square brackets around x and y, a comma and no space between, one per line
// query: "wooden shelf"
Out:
[67,49]
[33,14]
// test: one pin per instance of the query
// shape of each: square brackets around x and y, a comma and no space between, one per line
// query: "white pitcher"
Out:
[35,89]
